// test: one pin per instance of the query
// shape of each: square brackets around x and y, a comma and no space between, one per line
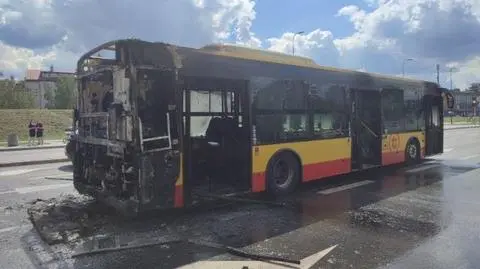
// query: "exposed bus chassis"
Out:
[114,160]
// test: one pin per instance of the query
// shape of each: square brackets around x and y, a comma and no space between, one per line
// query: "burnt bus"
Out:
[159,124]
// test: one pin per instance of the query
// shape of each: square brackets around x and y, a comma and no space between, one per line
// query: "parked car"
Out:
[70,147]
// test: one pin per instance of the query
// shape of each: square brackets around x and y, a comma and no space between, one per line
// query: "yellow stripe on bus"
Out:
[310,152]
[398,142]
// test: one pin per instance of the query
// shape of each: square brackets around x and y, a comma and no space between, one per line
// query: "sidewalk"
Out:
[32,157]
[48,144]
[459,126]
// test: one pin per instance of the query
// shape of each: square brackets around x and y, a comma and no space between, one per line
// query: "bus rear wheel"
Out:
[412,152]
[283,174]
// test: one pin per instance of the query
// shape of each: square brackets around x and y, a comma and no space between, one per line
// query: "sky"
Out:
[368,35]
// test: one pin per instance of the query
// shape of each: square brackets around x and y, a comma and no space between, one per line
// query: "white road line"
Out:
[7,192]
[9,229]
[447,150]
[25,190]
[469,157]
[345,187]
[17,172]
[422,168]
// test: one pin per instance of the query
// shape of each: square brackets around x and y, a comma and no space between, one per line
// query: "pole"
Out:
[403,65]
[293,41]
[451,81]
[438,74]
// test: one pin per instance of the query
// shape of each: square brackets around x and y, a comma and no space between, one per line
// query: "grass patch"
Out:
[55,121]
[461,120]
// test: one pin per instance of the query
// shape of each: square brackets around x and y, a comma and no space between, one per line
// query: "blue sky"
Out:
[372,35]
[291,16]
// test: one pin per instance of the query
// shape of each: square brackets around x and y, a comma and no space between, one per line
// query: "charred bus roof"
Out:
[164,55]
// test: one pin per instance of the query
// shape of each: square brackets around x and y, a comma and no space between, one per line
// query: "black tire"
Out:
[283,174]
[412,152]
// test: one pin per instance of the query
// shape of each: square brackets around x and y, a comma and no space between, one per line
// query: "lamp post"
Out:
[451,70]
[293,41]
[403,65]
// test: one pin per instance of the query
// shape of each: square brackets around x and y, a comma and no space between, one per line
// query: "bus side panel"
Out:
[394,145]
[321,158]
[178,198]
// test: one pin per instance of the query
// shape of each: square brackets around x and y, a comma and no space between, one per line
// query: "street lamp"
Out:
[451,80]
[293,41]
[403,65]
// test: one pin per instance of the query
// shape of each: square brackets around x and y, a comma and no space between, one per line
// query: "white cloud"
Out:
[317,44]
[43,32]
[72,27]
[14,61]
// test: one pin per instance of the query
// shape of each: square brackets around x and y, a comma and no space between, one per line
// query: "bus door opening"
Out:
[366,129]
[217,144]
[433,106]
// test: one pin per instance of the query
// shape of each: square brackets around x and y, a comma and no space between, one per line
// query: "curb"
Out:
[34,162]
[32,148]
[457,128]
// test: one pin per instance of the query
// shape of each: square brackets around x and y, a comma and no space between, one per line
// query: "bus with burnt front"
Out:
[159,124]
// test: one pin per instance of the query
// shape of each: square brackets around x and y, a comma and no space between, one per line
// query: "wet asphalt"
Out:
[424,216]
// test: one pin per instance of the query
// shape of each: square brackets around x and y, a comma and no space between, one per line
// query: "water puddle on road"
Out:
[382,202]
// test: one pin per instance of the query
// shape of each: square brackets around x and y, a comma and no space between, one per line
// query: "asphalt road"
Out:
[31,155]
[403,217]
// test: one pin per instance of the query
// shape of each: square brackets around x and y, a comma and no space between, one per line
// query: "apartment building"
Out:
[38,82]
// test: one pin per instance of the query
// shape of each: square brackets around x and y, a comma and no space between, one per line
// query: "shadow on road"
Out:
[66,168]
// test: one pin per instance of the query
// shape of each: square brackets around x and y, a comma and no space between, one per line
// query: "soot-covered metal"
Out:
[127,151]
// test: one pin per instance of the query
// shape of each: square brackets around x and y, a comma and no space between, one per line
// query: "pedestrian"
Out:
[31,132]
[40,133]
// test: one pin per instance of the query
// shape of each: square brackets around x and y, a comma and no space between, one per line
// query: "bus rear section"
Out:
[128,145]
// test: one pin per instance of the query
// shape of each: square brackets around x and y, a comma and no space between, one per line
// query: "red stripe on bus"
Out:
[326,169]
[310,172]
[258,182]
[178,199]
[393,157]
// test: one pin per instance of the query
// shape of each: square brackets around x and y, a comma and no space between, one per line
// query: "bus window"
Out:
[294,126]
[329,107]
[269,128]
[329,125]
[393,110]
[411,109]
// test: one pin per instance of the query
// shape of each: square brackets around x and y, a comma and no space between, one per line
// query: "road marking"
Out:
[25,190]
[7,192]
[447,150]
[345,187]
[469,157]
[17,172]
[306,262]
[9,229]
[422,168]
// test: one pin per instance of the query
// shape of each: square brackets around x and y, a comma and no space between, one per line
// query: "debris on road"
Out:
[67,218]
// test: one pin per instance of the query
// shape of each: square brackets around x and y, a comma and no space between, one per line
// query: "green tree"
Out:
[50,97]
[65,93]
[13,95]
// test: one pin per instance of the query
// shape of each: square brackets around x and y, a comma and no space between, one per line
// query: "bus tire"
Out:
[283,174]
[412,152]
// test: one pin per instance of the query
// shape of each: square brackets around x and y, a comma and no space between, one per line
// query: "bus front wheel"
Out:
[412,152]
[283,174]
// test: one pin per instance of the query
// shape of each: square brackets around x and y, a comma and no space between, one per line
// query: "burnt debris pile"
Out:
[66,219]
